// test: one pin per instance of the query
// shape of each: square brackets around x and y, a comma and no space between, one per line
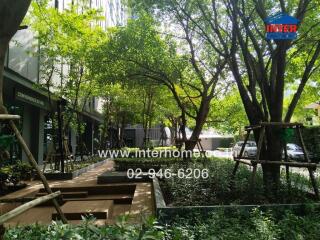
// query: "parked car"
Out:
[295,152]
[250,150]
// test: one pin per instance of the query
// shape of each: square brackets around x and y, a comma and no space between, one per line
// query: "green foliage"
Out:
[256,225]
[139,54]
[149,230]
[230,115]
[15,173]
[66,40]
[6,141]
[215,190]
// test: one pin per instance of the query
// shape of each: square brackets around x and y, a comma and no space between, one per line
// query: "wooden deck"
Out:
[84,194]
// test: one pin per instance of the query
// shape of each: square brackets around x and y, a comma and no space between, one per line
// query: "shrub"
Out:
[87,230]
[256,225]
[215,189]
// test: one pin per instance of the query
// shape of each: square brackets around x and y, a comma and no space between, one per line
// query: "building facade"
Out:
[23,96]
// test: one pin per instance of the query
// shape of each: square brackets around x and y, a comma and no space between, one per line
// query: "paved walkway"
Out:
[142,203]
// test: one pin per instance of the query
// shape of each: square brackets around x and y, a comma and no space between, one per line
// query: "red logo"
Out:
[286,28]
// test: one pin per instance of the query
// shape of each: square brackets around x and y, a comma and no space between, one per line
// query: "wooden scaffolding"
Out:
[8,120]
[312,167]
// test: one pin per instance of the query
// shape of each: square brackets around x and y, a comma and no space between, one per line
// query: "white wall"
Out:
[21,54]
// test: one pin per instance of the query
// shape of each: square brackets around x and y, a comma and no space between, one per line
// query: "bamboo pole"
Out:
[292,164]
[254,164]
[9,117]
[281,124]
[17,200]
[236,166]
[244,161]
[21,209]
[36,167]
[304,149]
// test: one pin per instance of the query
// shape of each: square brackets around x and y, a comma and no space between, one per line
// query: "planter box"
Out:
[166,213]
[125,164]
[71,175]
[120,177]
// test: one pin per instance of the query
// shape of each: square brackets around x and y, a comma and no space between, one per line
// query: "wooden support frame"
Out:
[33,163]
[201,149]
[36,167]
[239,160]
[21,209]
[254,162]
[9,117]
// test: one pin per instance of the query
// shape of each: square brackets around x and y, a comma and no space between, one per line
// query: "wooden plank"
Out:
[305,153]
[292,164]
[74,210]
[261,136]
[253,127]
[75,194]
[34,164]
[21,209]
[314,183]
[281,124]
[236,166]
[243,161]
[244,144]
[17,200]
[9,117]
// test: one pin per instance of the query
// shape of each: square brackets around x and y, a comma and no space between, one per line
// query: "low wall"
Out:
[71,175]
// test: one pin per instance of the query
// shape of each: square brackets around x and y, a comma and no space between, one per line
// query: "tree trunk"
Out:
[80,137]
[271,173]
[61,136]
[200,121]
[183,125]
[3,49]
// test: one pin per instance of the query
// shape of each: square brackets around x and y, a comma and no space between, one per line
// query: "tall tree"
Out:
[261,68]
[133,104]
[66,40]
[266,65]
[140,51]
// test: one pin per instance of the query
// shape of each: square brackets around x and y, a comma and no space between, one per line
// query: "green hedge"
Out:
[123,164]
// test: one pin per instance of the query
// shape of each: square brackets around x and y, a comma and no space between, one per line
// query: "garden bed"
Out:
[168,214]
[13,175]
[73,174]
[181,197]
[178,197]
[255,225]
[123,164]
[10,188]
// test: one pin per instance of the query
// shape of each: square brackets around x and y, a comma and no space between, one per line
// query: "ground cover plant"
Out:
[215,190]
[12,176]
[254,225]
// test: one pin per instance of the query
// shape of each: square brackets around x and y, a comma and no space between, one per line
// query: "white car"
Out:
[295,152]
[250,150]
